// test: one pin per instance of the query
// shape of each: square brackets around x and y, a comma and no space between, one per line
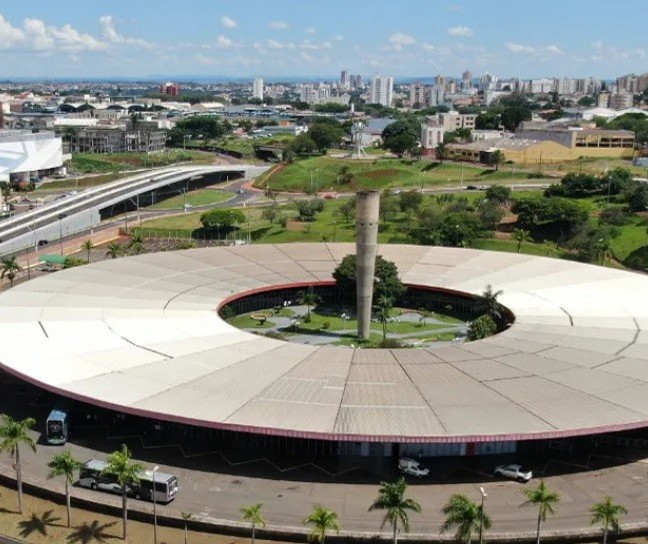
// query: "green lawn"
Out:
[379,173]
[116,162]
[510,246]
[202,197]
[246,321]
[631,238]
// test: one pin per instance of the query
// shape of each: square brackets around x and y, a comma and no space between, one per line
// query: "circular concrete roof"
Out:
[141,335]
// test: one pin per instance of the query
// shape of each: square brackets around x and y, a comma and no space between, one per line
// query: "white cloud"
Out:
[274,44]
[338,38]
[519,48]
[9,35]
[305,56]
[463,31]
[311,30]
[227,22]
[278,25]
[553,50]
[400,39]
[428,46]
[66,38]
[109,32]
[223,42]
[307,44]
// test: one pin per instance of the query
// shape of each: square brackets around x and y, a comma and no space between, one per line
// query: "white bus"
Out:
[92,475]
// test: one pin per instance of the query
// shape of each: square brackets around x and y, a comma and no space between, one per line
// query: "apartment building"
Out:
[417,94]
[257,88]
[381,90]
[431,133]
[453,120]
[632,83]
[117,139]
[621,101]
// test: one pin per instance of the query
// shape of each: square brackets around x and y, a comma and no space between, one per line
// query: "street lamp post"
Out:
[481,515]
[155,469]
[61,216]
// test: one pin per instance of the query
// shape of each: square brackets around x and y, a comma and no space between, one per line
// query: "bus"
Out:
[92,475]
[56,427]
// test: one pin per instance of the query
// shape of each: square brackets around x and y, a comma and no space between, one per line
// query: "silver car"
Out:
[514,472]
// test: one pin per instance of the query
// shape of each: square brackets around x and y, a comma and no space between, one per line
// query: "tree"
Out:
[388,283]
[391,498]
[322,520]
[545,500]
[637,199]
[488,305]
[222,217]
[308,298]
[307,209]
[13,433]
[410,201]
[482,327]
[270,213]
[325,135]
[347,209]
[114,250]
[441,152]
[587,101]
[186,516]
[345,176]
[252,514]
[496,159]
[401,143]
[498,193]
[388,207]
[10,269]
[136,245]
[64,464]
[607,514]
[383,308]
[302,144]
[512,116]
[466,516]
[71,262]
[521,236]
[87,246]
[459,229]
[126,472]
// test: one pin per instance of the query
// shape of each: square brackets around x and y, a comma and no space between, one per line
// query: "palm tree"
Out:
[186,516]
[441,152]
[63,464]
[545,500]
[488,304]
[14,432]
[391,498]
[114,250]
[308,298]
[466,516]
[121,467]
[607,514]
[520,236]
[252,513]
[87,246]
[9,269]
[136,244]
[323,520]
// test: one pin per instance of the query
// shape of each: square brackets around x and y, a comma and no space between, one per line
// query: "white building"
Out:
[621,101]
[24,154]
[431,133]
[257,88]
[435,95]
[381,90]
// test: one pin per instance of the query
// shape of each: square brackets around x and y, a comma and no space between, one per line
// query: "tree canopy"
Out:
[387,281]
[225,217]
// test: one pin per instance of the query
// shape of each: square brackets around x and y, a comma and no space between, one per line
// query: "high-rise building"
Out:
[435,95]
[416,94]
[257,88]
[603,100]
[345,83]
[621,101]
[381,90]
[356,81]
[466,80]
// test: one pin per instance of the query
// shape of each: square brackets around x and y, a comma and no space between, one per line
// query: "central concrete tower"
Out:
[367,208]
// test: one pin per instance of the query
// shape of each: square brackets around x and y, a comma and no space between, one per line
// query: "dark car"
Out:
[43,242]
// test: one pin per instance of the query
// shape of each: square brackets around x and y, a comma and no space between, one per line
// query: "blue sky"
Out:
[418,38]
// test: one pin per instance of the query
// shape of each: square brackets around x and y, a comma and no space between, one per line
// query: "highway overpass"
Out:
[85,210]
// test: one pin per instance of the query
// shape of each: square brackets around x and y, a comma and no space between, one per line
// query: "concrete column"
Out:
[367,208]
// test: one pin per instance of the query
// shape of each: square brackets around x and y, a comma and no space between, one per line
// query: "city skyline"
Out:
[260,40]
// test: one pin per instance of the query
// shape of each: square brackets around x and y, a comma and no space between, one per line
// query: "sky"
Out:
[53,39]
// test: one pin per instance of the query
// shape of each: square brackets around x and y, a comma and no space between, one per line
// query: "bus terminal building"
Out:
[141,338]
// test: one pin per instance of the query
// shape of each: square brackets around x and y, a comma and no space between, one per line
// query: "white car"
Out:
[514,472]
[412,467]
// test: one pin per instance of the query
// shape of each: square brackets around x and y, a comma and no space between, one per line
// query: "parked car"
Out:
[43,242]
[514,472]
[412,467]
